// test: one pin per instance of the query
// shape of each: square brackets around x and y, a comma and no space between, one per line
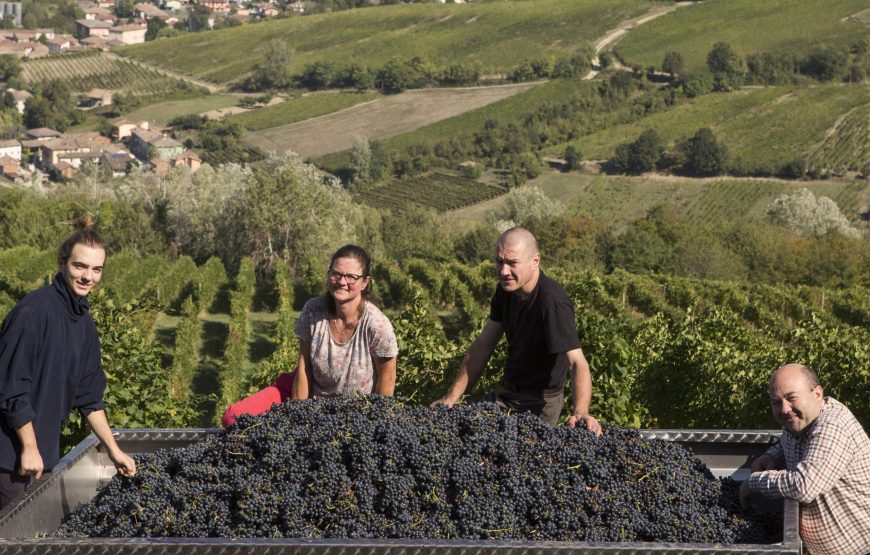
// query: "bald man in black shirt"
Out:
[536,316]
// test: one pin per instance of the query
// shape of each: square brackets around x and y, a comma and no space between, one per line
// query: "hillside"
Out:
[380,118]
[498,35]
[707,203]
[749,26]
[796,122]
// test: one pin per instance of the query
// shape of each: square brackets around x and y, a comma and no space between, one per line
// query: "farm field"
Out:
[89,71]
[379,119]
[794,120]
[300,108]
[436,190]
[163,112]
[497,35]
[778,26]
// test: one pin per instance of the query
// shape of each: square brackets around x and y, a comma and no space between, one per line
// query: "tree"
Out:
[824,64]
[124,9]
[154,27]
[723,59]
[356,76]
[696,85]
[317,75]
[572,158]
[274,71]
[37,112]
[640,156]
[10,67]
[197,19]
[360,162]
[804,214]
[396,76]
[672,63]
[527,205]
[704,155]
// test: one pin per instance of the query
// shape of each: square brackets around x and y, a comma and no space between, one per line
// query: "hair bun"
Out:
[85,221]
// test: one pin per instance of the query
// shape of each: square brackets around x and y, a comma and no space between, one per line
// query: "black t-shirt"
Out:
[540,329]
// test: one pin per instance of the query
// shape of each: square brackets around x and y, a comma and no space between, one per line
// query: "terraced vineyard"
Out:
[94,71]
[778,26]
[846,147]
[437,190]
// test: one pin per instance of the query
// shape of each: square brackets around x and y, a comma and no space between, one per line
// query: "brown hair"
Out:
[84,235]
[360,255]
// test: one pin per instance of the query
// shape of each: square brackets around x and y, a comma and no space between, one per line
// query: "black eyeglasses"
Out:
[350,279]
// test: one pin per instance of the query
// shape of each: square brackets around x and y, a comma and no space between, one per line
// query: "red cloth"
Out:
[261,401]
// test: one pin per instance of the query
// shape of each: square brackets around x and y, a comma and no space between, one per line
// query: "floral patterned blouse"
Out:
[345,368]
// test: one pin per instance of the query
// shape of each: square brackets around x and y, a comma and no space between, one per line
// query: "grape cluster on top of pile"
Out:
[374,467]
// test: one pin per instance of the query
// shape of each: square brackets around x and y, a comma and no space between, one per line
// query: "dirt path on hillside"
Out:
[612,37]
[379,119]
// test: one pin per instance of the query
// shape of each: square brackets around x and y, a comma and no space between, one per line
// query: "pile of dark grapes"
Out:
[373,467]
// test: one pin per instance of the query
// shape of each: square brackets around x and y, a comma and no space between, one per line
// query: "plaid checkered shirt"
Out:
[827,470]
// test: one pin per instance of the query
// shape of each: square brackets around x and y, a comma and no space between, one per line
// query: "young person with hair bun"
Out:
[346,344]
[50,364]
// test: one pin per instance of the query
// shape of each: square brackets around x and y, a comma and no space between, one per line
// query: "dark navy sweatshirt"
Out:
[49,365]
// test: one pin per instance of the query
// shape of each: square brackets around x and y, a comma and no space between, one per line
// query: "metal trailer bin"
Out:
[25,522]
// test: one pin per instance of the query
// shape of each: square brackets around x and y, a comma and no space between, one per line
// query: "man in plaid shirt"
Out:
[822,461]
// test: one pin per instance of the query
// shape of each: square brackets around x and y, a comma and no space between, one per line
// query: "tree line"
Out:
[290,211]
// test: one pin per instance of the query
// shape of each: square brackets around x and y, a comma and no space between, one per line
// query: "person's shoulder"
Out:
[836,419]
[551,288]
[314,304]
[375,313]
[30,310]
[37,301]
[836,413]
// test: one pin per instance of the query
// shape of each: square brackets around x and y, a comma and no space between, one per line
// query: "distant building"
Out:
[118,160]
[133,33]
[11,148]
[11,168]
[96,98]
[93,28]
[95,42]
[122,129]
[11,10]
[265,9]
[32,35]
[217,6]
[149,11]
[147,144]
[23,49]
[73,149]
[96,13]
[65,170]
[60,43]
[42,133]
[189,160]
[297,8]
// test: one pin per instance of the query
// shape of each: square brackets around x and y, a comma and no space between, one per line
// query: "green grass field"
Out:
[498,35]
[749,26]
[299,109]
[763,128]
[163,112]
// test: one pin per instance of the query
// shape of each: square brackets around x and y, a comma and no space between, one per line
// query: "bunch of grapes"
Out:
[374,467]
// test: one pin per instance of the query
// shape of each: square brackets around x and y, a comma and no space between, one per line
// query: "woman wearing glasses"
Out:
[347,344]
